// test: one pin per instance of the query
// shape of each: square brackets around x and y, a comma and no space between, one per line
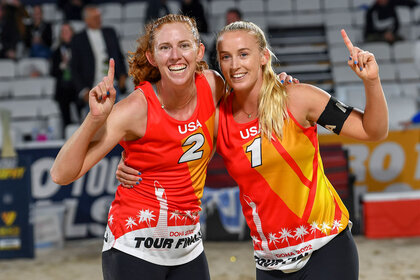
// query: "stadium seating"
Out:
[304,35]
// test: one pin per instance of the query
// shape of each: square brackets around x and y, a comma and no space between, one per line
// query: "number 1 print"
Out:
[255,150]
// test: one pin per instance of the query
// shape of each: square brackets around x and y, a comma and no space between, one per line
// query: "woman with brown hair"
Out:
[166,126]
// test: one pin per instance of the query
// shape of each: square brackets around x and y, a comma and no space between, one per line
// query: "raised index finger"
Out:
[347,41]
[111,69]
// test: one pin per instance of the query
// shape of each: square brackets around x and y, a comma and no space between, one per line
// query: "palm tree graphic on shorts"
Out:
[130,223]
[300,232]
[285,234]
[314,228]
[273,239]
[146,216]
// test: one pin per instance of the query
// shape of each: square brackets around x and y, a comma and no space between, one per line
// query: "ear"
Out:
[265,57]
[200,52]
[150,58]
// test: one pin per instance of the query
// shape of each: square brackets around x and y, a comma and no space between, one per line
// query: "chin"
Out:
[239,87]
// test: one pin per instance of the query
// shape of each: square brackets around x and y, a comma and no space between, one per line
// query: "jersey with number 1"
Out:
[158,219]
[290,206]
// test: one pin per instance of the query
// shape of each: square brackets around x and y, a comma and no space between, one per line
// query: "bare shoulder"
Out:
[306,101]
[305,93]
[134,104]
[216,82]
[131,113]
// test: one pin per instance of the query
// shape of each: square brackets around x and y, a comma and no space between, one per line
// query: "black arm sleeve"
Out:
[334,115]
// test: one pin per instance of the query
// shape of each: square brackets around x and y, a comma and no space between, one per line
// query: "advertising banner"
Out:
[389,165]
[86,200]
[16,232]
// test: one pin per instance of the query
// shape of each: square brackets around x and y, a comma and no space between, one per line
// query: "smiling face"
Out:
[241,60]
[175,53]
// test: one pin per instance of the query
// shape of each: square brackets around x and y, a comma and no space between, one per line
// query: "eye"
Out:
[185,45]
[164,47]
[244,54]
[224,57]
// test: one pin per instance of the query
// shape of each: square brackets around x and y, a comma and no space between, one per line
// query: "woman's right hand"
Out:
[102,96]
[127,176]
[362,62]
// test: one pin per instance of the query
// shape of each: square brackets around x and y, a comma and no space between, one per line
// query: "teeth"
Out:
[177,67]
[238,75]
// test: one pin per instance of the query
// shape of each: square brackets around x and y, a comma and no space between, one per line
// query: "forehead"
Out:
[65,27]
[237,39]
[91,12]
[176,31]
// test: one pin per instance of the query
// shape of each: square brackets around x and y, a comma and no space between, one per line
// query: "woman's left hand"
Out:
[127,176]
[362,62]
[288,79]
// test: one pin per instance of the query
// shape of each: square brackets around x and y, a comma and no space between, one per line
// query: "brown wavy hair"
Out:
[139,67]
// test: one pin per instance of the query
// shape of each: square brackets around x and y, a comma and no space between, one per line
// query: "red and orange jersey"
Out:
[173,156]
[288,202]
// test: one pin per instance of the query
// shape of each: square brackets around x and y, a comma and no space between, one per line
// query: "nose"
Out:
[175,54]
[234,63]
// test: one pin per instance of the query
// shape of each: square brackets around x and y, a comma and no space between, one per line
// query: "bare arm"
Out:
[308,102]
[372,124]
[102,129]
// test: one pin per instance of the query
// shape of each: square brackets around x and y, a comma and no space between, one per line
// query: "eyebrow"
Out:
[240,50]
[180,42]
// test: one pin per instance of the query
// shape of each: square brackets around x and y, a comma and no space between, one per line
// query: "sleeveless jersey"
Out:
[158,219]
[290,206]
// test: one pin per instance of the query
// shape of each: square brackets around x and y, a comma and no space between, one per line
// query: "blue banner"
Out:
[87,200]
[16,233]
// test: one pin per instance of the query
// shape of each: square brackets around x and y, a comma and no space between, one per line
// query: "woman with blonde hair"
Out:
[267,136]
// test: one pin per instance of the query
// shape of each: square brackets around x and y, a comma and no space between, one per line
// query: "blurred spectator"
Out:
[91,50]
[12,17]
[72,9]
[38,37]
[194,9]
[65,93]
[156,9]
[382,23]
[232,15]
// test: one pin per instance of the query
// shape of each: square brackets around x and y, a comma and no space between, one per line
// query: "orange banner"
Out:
[388,165]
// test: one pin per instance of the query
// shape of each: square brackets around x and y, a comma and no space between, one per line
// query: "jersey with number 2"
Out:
[158,219]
